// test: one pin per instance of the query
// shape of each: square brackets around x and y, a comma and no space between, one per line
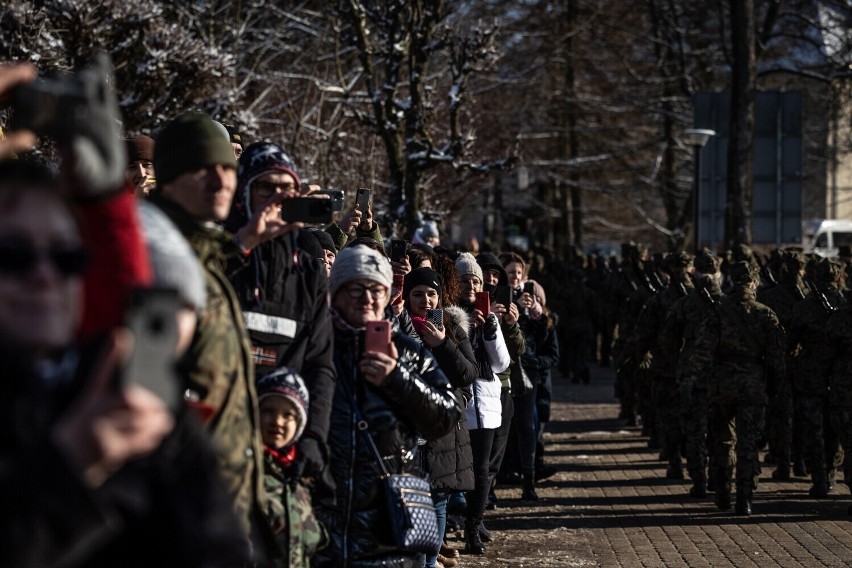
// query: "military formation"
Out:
[720,357]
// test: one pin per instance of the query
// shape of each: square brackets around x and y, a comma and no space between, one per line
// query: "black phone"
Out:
[435,317]
[529,288]
[336,196]
[311,210]
[362,198]
[503,295]
[398,250]
[152,318]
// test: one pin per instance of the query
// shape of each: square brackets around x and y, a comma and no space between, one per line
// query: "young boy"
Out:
[283,401]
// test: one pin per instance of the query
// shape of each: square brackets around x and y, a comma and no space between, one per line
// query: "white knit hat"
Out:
[357,262]
[466,264]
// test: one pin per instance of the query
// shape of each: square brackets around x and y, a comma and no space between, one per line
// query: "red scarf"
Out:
[284,457]
[418,323]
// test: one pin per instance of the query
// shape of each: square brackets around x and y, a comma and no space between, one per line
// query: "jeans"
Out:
[440,501]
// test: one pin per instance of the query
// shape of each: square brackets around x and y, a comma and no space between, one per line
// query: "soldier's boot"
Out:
[743,507]
[675,469]
[819,489]
[699,486]
[799,468]
[781,473]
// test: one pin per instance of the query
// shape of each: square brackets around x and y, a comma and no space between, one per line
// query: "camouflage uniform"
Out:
[742,341]
[781,298]
[838,339]
[664,361]
[678,336]
[806,338]
[220,371]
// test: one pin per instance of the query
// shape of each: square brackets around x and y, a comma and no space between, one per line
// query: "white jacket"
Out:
[484,409]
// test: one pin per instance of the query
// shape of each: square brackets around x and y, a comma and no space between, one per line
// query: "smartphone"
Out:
[152,320]
[377,337]
[312,210]
[529,288]
[362,198]
[503,295]
[435,317]
[483,302]
[398,249]
[398,281]
[336,196]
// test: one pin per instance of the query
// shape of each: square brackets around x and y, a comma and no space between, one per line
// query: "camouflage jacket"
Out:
[806,340]
[680,330]
[745,355]
[838,341]
[218,367]
[647,333]
[781,298]
[289,510]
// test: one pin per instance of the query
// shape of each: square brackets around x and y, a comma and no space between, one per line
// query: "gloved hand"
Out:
[94,141]
[489,328]
[311,457]
[685,388]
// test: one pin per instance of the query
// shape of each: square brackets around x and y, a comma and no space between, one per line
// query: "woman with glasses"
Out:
[393,392]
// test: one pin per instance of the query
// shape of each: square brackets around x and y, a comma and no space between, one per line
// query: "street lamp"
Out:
[697,138]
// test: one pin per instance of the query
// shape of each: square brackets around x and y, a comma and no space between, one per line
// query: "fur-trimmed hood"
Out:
[460,318]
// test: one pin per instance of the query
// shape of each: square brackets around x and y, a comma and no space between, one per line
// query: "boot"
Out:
[473,544]
[781,473]
[675,470]
[723,491]
[699,486]
[799,469]
[819,489]
[529,493]
[484,534]
[743,503]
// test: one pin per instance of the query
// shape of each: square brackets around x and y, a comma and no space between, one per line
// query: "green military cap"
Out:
[742,273]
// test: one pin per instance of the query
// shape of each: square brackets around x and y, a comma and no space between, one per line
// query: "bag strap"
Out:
[364,426]
[744,330]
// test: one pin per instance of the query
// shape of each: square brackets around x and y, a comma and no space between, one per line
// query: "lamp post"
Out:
[697,138]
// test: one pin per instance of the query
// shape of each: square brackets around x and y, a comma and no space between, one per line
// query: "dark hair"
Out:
[367,242]
[417,254]
[446,268]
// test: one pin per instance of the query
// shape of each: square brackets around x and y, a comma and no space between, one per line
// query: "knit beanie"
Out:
[173,262]
[421,276]
[308,242]
[286,382]
[489,261]
[357,262]
[139,148]
[188,143]
[427,230]
[466,264]
[325,240]
[261,158]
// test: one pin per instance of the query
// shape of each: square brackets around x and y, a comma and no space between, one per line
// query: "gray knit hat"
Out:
[466,264]
[356,262]
[173,262]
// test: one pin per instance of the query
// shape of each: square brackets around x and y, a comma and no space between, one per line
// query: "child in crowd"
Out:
[283,402]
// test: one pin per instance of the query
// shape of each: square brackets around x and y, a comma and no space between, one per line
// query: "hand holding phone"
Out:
[398,250]
[311,210]
[377,337]
[435,317]
[362,199]
[483,302]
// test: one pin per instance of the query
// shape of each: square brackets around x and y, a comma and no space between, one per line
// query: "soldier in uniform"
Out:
[838,340]
[663,361]
[678,336]
[742,341]
[806,340]
[781,297]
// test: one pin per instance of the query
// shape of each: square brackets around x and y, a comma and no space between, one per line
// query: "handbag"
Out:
[408,501]
[519,380]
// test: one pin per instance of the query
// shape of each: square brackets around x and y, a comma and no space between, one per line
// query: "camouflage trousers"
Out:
[821,449]
[779,425]
[841,421]
[667,408]
[694,423]
[739,428]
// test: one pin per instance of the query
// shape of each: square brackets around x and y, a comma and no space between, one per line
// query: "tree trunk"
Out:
[741,141]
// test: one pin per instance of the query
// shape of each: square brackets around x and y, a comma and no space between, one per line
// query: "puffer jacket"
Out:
[414,401]
[484,410]
[449,460]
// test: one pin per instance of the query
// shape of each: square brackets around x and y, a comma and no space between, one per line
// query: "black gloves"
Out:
[311,457]
[490,327]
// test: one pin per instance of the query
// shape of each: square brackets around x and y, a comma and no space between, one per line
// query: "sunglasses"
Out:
[20,260]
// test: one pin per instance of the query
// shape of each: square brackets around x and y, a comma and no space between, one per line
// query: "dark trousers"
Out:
[501,435]
[481,444]
[525,423]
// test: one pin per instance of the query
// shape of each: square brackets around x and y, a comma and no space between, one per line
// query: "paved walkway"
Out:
[611,506]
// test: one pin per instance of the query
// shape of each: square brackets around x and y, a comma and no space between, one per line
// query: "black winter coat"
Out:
[449,460]
[414,401]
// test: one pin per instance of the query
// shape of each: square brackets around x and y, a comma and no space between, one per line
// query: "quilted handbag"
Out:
[412,514]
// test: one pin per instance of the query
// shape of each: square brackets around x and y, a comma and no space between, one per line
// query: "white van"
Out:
[825,237]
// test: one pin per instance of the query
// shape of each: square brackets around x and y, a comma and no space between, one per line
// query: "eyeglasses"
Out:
[20,260]
[357,291]
[265,189]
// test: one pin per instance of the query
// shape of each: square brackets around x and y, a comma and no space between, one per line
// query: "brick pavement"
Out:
[611,506]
